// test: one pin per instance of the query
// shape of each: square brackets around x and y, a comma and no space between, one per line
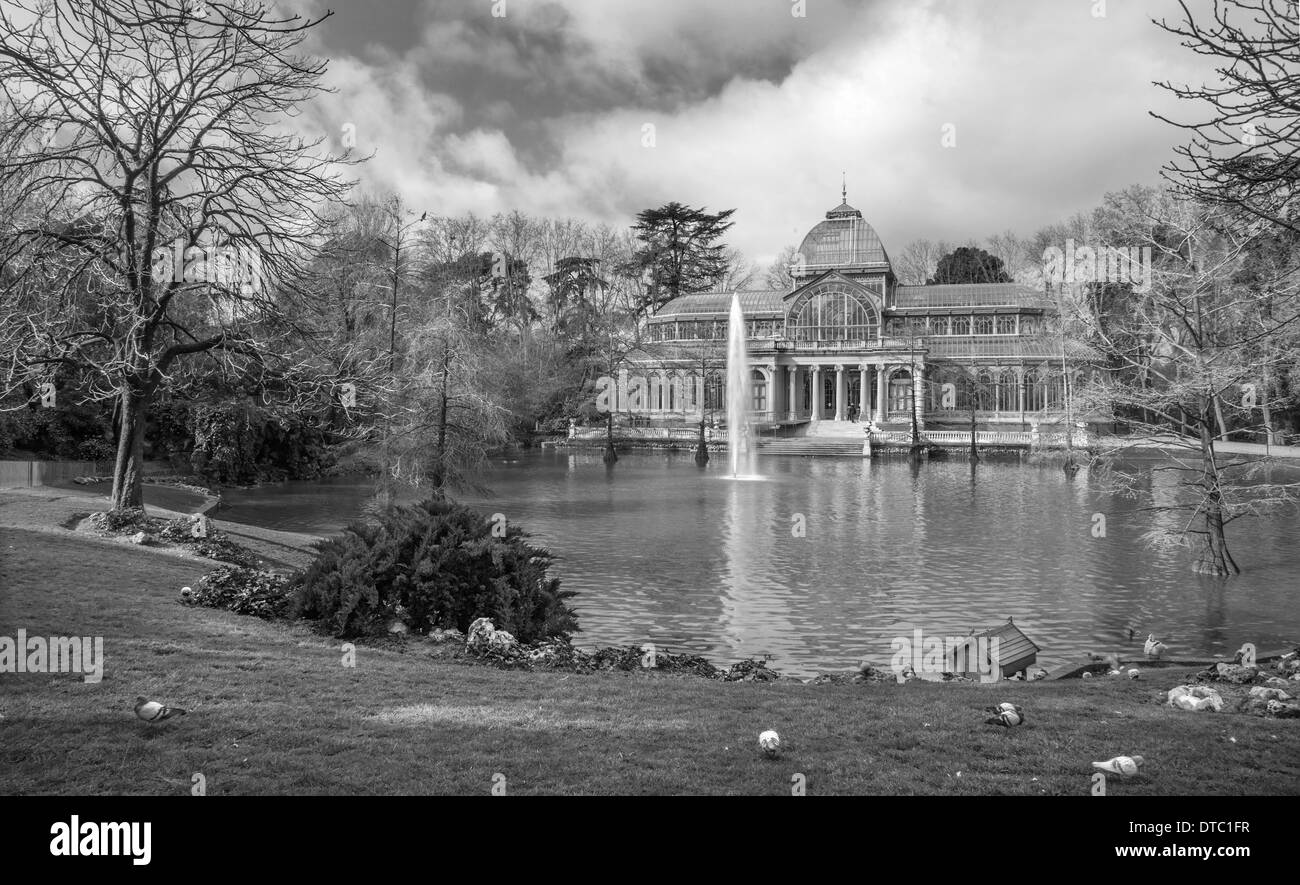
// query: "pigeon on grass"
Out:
[152,711]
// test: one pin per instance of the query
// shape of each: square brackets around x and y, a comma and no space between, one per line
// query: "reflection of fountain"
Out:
[740,440]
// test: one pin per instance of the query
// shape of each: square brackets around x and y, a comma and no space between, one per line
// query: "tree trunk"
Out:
[974,452]
[1270,436]
[1218,418]
[1213,558]
[128,470]
[610,454]
[439,476]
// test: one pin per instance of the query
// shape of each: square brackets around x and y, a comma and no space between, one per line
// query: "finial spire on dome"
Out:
[844,188]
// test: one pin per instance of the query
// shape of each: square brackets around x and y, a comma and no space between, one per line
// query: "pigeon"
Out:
[1005,707]
[1154,648]
[770,743]
[1134,673]
[152,711]
[1121,765]
[1006,719]
[1040,674]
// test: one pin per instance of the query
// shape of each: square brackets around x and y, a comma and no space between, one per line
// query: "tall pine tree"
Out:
[681,251]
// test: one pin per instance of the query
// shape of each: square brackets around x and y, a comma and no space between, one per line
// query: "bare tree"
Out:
[918,261]
[778,275]
[1013,252]
[1192,351]
[180,216]
[738,274]
[1245,153]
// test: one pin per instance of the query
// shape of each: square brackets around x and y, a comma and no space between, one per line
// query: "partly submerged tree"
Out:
[158,191]
[1190,354]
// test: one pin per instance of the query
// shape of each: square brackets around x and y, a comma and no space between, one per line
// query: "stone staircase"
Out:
[819,446]
[827,429]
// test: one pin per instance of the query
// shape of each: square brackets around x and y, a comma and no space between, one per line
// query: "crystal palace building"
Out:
[849,334]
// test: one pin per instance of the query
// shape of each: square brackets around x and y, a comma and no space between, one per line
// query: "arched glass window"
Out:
[1055,385]
[831,312]
[758,391]
[961,325]
[983,325]
[1008,395]
[900,391]
[983,392]
[714,399]
[1006,324]
[1035,391]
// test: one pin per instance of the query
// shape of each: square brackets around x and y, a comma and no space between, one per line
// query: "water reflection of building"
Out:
[849,334]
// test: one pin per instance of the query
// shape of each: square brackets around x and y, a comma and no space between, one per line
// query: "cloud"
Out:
[545,110]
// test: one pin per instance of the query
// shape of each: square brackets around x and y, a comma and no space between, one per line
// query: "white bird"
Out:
[1134,673]
[770,743]
[152,711]
[1154,647]
[1006,719]
[1121,765]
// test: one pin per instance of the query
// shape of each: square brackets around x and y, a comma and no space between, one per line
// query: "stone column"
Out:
[791,403]
[881,393]
[918,395]
[699,396]
[1020,391]
[839,392]
[816,393]
[864,394]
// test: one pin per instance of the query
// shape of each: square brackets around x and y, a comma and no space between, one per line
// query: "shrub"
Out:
[244,591]
[217,545]
[437,564]
[96,450]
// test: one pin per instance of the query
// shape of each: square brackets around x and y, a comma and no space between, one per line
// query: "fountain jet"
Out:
[740,440]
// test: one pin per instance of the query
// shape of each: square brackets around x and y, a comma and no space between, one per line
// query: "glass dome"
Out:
[844,239]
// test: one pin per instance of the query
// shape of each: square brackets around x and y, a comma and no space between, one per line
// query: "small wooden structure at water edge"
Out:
[1016,652]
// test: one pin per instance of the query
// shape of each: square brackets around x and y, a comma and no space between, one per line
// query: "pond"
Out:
[661,551]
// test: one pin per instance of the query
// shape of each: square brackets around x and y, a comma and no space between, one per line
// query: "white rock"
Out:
[1196,698]
[483,636]
[1269,694]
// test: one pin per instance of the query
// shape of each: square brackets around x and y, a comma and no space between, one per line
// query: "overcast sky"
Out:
[545,109]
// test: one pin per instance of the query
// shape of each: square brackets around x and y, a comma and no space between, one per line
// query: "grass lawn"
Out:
[274,711]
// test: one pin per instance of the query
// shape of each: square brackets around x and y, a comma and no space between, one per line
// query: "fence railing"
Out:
[655,433]
[1081,439]
[29,474]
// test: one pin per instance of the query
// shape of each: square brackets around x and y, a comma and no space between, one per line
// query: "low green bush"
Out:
[437,564]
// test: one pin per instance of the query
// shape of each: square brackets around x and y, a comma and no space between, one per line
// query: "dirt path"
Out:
[58,510]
